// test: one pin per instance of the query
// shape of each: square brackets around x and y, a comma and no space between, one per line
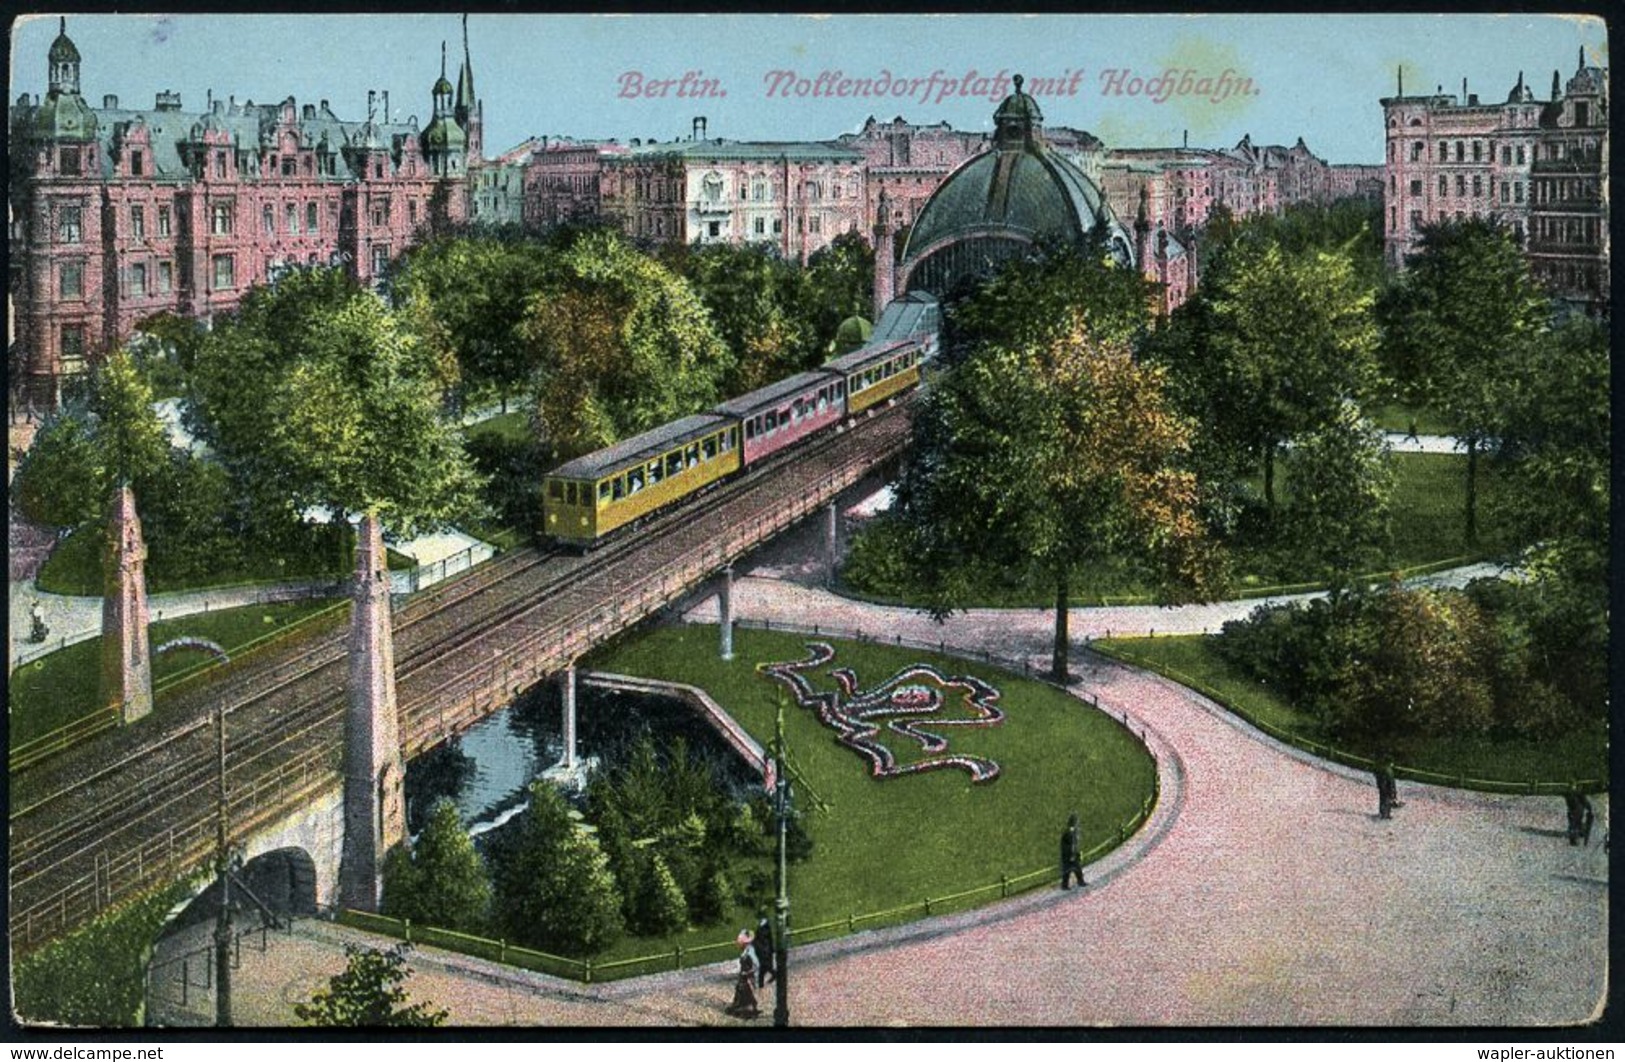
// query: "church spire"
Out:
[465,80]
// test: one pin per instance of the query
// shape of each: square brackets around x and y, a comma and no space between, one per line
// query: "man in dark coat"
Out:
[1070,864]
[1387,789]
[763,943]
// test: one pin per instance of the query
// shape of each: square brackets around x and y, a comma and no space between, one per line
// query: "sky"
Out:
[787,77]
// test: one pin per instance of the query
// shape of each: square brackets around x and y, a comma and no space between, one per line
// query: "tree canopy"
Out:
[369,993]
[622,345]
[314,393]
[441,879]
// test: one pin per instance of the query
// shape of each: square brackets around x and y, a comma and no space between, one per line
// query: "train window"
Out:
[674,462]
[634,481]
[570,493]
[618,488]
[603,491]
[750,431]
[709,447]
[856,383]
[655,473]
[731,440]
[823,399]
[840,388]
[691,456]
[555,490]
[772,419]
[784,417]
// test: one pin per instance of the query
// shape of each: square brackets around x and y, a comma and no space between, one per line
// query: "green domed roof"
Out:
[65,116]
[852,333]
[444,134]
[1019,189]
[441,86]
[63,49]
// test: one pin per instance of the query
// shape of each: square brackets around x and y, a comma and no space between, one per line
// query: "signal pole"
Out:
[781,949]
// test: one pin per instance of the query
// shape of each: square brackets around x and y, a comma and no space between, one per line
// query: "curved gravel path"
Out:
[1264,891]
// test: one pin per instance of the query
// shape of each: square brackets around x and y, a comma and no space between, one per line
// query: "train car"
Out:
[585,499]
[782,413]
[877,371]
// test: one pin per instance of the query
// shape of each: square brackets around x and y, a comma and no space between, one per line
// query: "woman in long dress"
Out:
[744,1004]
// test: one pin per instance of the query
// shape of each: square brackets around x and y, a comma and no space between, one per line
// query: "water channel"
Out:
[487,771]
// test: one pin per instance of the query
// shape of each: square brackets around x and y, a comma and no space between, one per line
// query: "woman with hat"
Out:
[744,1004]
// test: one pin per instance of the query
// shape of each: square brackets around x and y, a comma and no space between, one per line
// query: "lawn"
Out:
[512,426]
[75,566]
[1427,528]
[1579,755]
[883,843]
[62,687]
[1402,418]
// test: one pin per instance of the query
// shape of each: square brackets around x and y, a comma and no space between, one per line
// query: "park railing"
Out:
[411,580]
[43,747]
[588,970]
[1329,751]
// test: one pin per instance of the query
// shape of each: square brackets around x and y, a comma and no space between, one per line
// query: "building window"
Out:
[268,219]
[163,221]
[1461,185]
[1478,186]
[220,164]
[73,349]
[1506,192]
[1416,151]
[138,164]
[761,226]
[380,212]
[166,277]
[71,280]
[1416,220]
[380,259]
[412,211]
[138,279]
[1478,150]
[138,222]
[220,219]
[225,271]
[1517,191]
[68,227]
[715,229]
[1416,187]
[1444,151]
[1520,154]
[1461,151]
[778,226]
[291,215]
[814,223]
[310,217]
[378,169]
[290,166]
[1506,155]
[1444,186]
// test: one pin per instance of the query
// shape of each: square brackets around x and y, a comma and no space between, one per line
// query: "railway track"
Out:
[141,816]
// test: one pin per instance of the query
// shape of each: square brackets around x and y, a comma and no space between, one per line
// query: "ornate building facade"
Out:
[1541,166]
[122,213]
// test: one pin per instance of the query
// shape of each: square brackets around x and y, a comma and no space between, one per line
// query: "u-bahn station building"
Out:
[120,213]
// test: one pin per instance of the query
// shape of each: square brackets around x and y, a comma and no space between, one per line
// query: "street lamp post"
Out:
[781,949]
[222,921]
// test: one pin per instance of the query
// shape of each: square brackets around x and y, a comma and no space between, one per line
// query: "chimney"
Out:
[1463,90]
[309,112]
[1186,142]
[372,103]
[1401,80]
[386,106]
[325,112]
[109,103]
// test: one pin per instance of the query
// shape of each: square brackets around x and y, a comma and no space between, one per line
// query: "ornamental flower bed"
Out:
[907,705]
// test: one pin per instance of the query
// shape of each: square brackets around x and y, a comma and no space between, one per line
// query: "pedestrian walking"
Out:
[744,1001]
[762,944]
[1581,816]
[1070,864]
[1386,789]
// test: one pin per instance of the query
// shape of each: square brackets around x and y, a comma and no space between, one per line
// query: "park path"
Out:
[1264,891]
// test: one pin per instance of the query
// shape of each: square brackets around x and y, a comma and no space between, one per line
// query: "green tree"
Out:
[1048,455]
[315,394]
[370,993]
[1553,425]
[657,903]
[132,439]
[758,305]
[554,887]
[59,481]
[840,282]
[1418,667]
[440,880]
[622,344]
[1464,310]
[1281,342]
[1342,476]
[468,296]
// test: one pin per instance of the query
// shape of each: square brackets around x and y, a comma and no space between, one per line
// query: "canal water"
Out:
[487,771]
